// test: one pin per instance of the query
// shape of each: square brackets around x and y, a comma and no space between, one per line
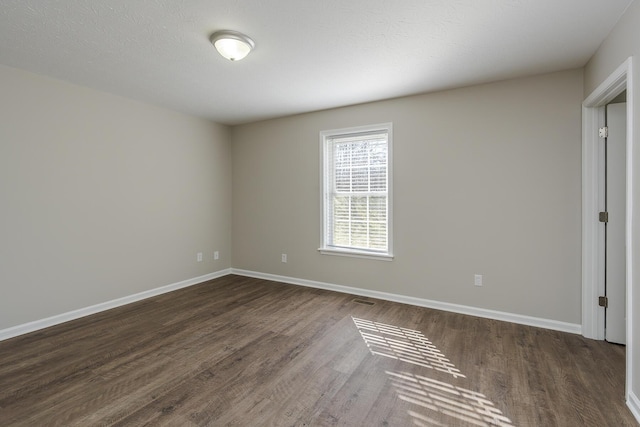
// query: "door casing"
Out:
[593,117]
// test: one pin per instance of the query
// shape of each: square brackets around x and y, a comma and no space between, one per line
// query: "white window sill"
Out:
[356,254]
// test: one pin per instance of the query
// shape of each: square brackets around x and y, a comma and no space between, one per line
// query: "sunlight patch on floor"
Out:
[457,402]
[403,344]
[408,345]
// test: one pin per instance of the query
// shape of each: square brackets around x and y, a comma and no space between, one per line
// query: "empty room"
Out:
[319,213]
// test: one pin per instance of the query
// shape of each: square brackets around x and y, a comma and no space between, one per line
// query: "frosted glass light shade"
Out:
[231,44]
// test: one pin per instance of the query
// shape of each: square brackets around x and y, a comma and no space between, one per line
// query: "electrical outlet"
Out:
[284,257]
[477,279]
[216,255]
[199,257]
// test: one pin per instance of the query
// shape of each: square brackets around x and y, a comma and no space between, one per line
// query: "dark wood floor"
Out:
[245,352]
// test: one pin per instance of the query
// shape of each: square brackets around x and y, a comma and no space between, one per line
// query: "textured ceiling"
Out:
[309,55]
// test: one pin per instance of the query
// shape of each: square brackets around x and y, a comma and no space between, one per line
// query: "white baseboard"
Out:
[82,312]
[445,306]
[633,403]
[456,308]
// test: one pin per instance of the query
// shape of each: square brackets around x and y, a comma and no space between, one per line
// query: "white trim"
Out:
[613,86]
[592,316]
[36,325]
[420,302]
[633,403]
[326,249]
[629,242]
[356,254]
[593,117]
[592,229]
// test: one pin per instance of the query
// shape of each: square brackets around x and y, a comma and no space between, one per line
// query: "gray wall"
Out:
[623,42]
[103,197]
[486,180]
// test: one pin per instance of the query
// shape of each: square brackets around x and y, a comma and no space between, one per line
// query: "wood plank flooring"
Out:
[237,351]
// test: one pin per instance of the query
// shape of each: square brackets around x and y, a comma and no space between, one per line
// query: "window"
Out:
[356,196]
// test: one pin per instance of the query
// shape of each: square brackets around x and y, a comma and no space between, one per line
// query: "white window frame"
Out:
[325,247]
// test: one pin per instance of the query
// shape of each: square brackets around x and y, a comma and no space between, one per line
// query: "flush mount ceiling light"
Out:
[231,44]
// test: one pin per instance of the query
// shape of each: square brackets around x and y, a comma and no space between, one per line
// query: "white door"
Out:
[615,282]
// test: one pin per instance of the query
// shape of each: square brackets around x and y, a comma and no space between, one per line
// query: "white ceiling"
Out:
[309,55]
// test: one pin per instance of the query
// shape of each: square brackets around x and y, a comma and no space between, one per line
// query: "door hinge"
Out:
[603,132]
[603,302]
[603,216]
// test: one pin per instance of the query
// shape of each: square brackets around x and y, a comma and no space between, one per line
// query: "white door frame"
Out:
[593,117]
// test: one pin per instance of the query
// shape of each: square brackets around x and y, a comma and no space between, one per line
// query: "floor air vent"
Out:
[361,301]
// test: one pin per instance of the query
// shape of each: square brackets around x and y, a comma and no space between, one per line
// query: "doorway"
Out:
[593,231]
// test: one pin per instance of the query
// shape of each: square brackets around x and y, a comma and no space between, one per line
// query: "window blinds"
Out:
[357,191]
